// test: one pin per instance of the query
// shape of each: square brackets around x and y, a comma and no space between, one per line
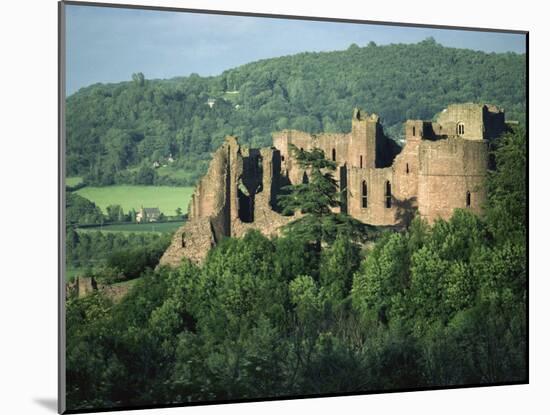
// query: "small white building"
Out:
[148,215]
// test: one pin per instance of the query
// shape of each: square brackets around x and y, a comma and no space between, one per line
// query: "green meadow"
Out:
[166,198]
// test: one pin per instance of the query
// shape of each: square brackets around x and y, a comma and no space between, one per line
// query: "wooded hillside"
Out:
[115,132]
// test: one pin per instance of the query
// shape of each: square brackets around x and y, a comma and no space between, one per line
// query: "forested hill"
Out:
[116,131]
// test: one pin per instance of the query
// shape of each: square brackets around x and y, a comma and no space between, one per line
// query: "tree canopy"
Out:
[262,317]
[315,199]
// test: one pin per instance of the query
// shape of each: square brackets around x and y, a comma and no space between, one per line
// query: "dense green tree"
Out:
[131,263]
[145,175]
[315,199]
[338,264]
[80,210]
[115,213]
[507,206]
[382,279]
[239,305]
[132,215]
[94,249]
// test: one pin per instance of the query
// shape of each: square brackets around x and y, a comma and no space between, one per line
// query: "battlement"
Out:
[441,167]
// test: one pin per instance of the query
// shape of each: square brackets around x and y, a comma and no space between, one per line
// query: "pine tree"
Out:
[315,198]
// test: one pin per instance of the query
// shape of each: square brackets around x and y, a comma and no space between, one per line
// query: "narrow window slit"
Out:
[388,195]
[364,194]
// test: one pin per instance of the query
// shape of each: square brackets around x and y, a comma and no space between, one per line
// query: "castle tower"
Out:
[453,167]
[362,142]
[442,167]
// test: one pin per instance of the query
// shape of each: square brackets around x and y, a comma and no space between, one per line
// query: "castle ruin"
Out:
[441,167]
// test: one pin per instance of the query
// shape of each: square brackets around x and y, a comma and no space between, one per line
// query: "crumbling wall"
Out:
[266,219]
[209,195]
[193,241]
[81,286]
[212,209]
[440,168]
[238,179]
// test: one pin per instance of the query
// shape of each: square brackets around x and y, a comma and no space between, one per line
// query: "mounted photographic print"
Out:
[258,207]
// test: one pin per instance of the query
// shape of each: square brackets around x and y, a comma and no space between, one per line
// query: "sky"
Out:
[109,44]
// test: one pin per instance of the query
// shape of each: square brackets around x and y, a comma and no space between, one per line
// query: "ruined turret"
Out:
[441,167]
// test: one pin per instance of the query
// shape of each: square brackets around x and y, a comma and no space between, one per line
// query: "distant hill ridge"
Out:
[115,132]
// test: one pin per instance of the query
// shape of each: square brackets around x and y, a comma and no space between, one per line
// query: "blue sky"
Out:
[109,44]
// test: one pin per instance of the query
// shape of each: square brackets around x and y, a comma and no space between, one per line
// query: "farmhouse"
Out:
[148,215]
[441,167]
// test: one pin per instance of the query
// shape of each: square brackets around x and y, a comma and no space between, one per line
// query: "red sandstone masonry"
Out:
[441,167]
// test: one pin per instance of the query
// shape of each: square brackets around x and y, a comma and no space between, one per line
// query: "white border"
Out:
[28,163]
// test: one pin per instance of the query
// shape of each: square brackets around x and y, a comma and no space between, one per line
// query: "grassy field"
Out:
[166,198]
[136,227]
[73,181]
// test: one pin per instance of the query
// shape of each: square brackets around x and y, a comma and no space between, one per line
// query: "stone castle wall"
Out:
[451,169]
[237,193]
[441,167]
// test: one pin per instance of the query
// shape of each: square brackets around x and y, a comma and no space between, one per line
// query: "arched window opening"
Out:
[460,128]
[388,194]
[414,131]
[364,195]
[282,158]
[183,239]
[468,199]
[407,168]
[360,162]
[333,154]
